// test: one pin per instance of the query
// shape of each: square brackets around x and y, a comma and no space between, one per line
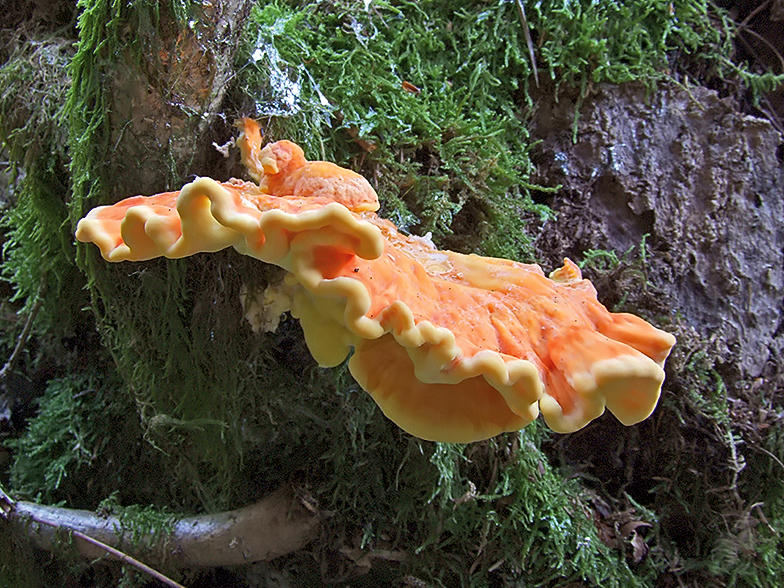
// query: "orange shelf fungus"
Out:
[452,347]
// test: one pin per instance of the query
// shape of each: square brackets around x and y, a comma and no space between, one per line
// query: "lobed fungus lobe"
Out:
[451,347]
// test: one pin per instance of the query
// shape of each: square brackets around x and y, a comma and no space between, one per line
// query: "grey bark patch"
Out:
[703,180]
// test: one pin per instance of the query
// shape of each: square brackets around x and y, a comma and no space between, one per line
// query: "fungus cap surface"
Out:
[452,347]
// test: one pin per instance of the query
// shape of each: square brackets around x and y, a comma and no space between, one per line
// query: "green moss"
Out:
[38,250]
[589,42]
[471,515]
[176,365]
[79,445]
[427,112]
[18,566]
[501,503]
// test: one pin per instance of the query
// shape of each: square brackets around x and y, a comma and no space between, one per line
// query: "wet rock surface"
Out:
[703,181]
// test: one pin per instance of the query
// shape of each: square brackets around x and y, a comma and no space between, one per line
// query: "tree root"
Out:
[278,524]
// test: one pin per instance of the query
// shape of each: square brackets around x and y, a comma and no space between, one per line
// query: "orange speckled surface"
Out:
[452,347]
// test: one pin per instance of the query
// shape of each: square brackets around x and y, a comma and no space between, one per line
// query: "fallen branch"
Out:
[278,524]
[8,510]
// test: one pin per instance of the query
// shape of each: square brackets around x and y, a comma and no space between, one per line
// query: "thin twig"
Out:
[769,454]
[737,465]
[773,49]
[20,344]
[754,13]
[528,40]
[123,557]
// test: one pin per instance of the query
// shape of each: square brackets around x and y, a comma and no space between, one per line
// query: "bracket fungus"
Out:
[452,347]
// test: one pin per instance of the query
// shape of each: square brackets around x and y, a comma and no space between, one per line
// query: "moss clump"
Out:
[720,509]
[182,376]
[81,445]
[38,253]
[427,112]
[589,42]
[526,521]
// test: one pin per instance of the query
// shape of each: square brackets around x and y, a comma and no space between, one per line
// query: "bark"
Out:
[702,180]
[164,102]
